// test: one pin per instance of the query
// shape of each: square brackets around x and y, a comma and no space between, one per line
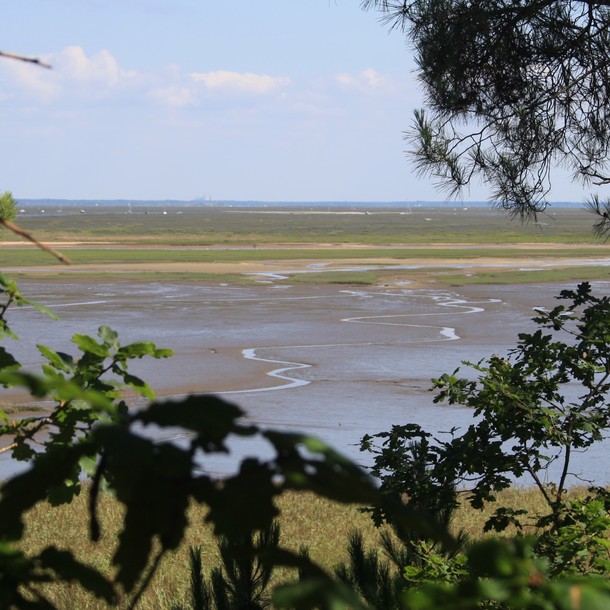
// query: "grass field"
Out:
[120,254]
[305,519]
[246,227]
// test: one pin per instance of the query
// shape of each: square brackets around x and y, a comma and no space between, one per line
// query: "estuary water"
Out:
[337,362]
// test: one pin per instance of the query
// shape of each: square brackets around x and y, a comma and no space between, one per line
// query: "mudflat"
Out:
[334,361]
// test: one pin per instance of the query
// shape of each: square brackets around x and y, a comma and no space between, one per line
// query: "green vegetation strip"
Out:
[365,278]
[449,277]
[526,277]
[143,276]
[28,257]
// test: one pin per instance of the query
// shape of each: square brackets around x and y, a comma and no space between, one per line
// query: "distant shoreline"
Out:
[266,204]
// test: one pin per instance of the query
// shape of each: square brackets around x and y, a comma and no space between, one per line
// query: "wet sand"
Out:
[209,327]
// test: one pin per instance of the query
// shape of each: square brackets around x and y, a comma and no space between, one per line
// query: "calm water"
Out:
[331,361]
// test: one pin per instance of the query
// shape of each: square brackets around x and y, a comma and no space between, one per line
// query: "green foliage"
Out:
[407,462]
[7,207]
[86,391]
[370,575]
[432,566]
[242,580]
[579,544]
[508,575]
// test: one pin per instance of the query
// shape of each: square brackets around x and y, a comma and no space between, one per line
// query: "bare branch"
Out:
[30,60]
[7,448]
[19,231]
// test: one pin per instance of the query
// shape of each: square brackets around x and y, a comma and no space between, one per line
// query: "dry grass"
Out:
[306,520]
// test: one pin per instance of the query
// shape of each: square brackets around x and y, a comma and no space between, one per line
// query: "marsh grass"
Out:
[145,276]
[17,409]
[24,257]
[448,276]
[305,519]
[525,276]
[372,277]
[362,278]
[294,224]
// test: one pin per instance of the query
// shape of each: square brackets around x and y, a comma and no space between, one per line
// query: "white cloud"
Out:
[97,75]
[175,96]
[244,82]
[371,78]
[34,81]
[73,66]
[368,79]
[73,71]
[344,79]
[75,74]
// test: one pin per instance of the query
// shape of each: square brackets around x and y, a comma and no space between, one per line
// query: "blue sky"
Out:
[274,100]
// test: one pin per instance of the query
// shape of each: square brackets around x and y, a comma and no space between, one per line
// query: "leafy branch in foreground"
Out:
[509,575]
[156,481]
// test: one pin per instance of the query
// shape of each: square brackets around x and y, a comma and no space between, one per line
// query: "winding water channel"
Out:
[337,362]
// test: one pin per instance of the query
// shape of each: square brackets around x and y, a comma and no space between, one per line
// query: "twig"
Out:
[8,448]
[30,60]
[19,231]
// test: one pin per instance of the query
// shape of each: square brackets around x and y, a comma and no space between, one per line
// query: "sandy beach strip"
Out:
[298,266]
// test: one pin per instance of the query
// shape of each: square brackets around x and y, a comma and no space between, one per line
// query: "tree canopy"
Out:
[513,89]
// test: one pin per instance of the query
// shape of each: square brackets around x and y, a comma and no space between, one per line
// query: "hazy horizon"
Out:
[263,203]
